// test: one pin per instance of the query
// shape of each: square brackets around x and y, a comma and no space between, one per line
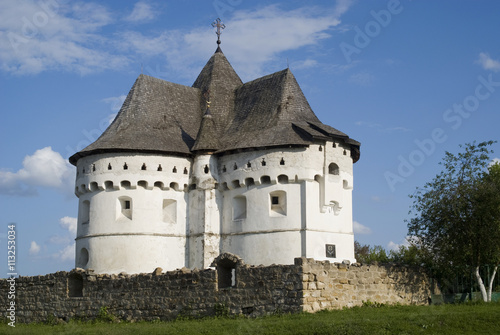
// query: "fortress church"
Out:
[184,174]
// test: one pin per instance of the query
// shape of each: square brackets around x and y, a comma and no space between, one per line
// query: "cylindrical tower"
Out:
[131,212]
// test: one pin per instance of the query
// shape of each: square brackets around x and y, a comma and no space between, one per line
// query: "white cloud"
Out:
[69,223]
[45,168]
[304,64]
[115,103]
[487,62]
[395,246]
[36,36]
[34,248]
[83,37]
[142,12]
[252,40]
[65,254]
[494,161]
[360,229]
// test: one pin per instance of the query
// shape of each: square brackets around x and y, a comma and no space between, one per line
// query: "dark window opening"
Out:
[159,168]
[174,170]
[224,169]
[320,148]
[235,166]
[345,152]
[143,167]
[282,161]
[206,169]
[226,276]
[249,182]
[275,200]
[185,171]
[249,164]
[75,286]
[125,166]
[263,162]
[333,169]
[334,145]
[109,166]
[93,167]
[127,204]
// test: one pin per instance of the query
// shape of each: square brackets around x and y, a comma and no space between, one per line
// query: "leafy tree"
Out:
[409,255]
[367,254]
[457,215]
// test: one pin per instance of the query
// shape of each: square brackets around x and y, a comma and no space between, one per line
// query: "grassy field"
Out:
[442,319]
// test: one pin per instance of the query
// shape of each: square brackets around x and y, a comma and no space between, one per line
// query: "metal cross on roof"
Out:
[218,23]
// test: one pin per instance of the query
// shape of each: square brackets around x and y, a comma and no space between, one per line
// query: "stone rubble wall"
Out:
[334,286]
[308,285]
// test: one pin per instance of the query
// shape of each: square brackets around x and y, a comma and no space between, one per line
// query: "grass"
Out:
[478,318]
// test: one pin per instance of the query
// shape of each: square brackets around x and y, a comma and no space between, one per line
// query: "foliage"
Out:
[456,216]
[105,316]
[443,319]
[368,255]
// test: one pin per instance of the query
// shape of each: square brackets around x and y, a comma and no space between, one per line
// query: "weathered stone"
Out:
[288,288]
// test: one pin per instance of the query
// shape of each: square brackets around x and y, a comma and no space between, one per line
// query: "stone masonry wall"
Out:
[307,285]
[333,286]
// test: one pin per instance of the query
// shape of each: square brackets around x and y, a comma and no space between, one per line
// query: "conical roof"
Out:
[162,117]
[219,79]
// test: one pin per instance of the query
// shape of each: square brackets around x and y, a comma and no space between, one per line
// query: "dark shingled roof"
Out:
[162,117]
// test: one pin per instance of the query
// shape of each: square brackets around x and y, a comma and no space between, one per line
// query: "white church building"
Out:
[184,174]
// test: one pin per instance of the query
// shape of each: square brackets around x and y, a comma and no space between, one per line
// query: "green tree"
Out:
[366,254]
[456,216]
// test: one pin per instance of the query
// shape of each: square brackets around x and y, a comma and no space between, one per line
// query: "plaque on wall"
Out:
[330,250]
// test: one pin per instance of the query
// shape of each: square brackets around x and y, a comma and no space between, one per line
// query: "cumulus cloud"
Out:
[487,62]
[142,12]
[361,229]
[45,168]
[34,248]
[59,247]
[69,223]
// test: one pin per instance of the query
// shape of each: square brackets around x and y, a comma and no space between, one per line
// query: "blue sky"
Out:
[408,79]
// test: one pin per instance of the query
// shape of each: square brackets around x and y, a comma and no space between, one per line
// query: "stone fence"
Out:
[232,288]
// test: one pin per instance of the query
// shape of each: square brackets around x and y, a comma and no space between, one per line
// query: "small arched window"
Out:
[333,169]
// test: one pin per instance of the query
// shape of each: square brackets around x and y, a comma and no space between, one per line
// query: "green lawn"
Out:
[442,319]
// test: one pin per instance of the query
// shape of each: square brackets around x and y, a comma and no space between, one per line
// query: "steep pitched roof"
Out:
[157,116]
[163,117]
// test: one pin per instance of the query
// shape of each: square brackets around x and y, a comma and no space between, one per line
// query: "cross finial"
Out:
[219,25]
